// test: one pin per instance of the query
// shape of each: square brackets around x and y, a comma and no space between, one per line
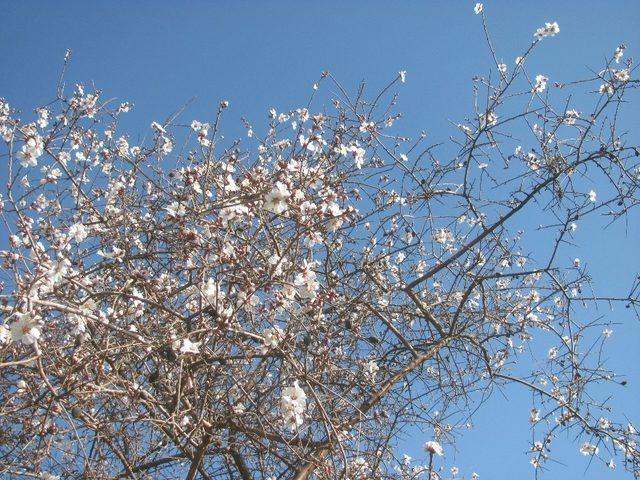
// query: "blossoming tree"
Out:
[185,308]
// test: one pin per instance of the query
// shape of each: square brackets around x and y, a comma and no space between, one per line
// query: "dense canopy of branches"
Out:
[182,308]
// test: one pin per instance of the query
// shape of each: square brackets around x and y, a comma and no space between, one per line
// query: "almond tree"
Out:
[188,308]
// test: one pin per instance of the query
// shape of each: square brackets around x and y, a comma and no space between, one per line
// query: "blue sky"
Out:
[260,55]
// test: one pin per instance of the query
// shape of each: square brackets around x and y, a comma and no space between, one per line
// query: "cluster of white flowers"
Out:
[541,84]
[164,143]
[272,337]
[549,30]
[219,258]
[84,103]
[202,130]
[32,149]
[176,210]
[570,117]
[360,469]
[306,281]
[534,415]
[355,151]
[43,117]
[443,236]
[371,369]
[6,125]
[293,404]
[621,76]
[488,119]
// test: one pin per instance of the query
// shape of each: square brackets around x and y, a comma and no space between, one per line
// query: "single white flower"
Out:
[589,449]
[276,200]
[25,329]
[606,88]
[186,346]
[478,8]
[621,75]
[433,447]
[78,232]
[403,75]
[592,196]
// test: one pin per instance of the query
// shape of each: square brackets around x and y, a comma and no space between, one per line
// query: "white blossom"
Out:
[272,337]
[25,329]
[433,447]
[293,404]
[186,346]
[589,449]
[276,200]
[549,30]
[78,232]
[541,84]
[371,368]
[31,151]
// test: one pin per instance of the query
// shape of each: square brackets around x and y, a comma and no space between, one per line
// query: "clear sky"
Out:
[263,54]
